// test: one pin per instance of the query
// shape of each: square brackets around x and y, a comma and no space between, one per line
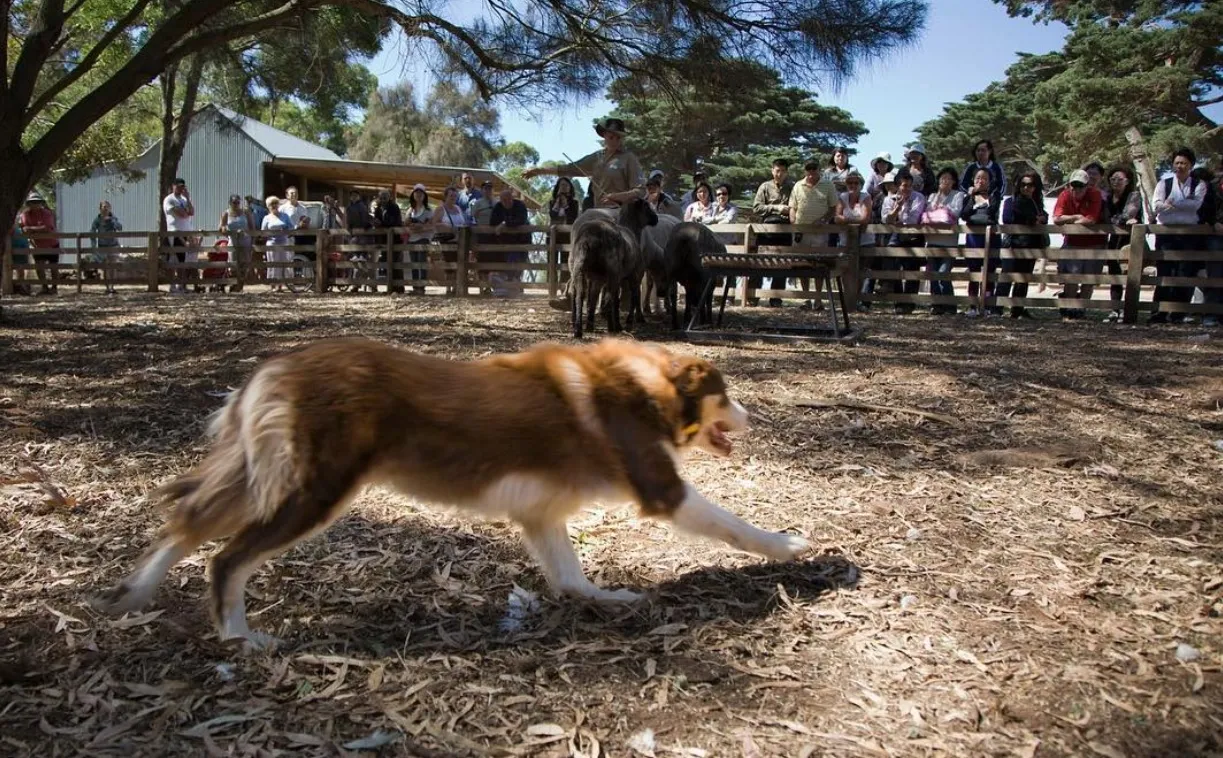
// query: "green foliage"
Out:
[70,65]
[306,77]
[1150,64]
[451,128]
[733,123]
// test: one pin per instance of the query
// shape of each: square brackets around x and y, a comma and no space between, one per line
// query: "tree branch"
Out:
[163,48]
[35,49]
[86,63]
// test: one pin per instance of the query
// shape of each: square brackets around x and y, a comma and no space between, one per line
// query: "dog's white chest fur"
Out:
[527,497]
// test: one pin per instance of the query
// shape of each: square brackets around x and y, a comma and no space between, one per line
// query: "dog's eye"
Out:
[724,402]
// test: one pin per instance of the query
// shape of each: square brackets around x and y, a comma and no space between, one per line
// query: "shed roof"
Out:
[277,142]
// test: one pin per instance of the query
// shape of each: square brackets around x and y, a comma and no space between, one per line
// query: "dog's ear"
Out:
[696,378]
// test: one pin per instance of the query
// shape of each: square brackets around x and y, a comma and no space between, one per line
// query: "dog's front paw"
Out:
[600,595]
[619,596]
[118,600]
[253,642]
[783,547]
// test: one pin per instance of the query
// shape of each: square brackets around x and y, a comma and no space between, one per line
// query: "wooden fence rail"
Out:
[395,258]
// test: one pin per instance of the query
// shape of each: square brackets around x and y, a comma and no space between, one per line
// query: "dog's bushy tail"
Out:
[250,469]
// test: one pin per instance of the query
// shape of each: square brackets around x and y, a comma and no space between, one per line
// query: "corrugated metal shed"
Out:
[220,158]
[228,153]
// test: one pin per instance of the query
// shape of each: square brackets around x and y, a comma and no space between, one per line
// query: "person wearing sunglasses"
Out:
[724,211]
[1027,208]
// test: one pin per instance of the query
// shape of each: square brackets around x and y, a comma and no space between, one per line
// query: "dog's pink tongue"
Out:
[720,440]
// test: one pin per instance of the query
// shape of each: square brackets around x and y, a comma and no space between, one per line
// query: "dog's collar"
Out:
[690,431]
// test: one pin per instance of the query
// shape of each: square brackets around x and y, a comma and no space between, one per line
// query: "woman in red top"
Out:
[38,219]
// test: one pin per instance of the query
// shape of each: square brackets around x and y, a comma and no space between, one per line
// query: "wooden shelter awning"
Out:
[370,174]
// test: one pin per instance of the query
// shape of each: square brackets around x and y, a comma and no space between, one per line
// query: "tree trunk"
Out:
[17,183]
[175,124]
[1144,168]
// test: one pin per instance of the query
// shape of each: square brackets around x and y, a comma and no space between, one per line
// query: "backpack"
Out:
[1208,210]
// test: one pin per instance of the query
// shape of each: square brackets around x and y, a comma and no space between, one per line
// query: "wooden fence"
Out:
[360,259]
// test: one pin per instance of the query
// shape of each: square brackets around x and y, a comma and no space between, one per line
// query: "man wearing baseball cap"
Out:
[481,208]
[1079,203]
[614,172]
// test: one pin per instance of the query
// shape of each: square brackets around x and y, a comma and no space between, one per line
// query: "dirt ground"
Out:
[1019,556]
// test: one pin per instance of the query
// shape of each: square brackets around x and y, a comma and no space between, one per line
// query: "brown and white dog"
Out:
[531,436]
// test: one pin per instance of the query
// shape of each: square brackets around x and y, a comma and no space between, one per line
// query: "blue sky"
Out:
[966,45]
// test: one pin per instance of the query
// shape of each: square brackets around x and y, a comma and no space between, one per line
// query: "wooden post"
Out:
[1133,277]
[154,258]
[6,266]
[553,264]
[390,256]
[460,262]
[850,282]
[320,261]
[80,272]
[749,244]
[989,240]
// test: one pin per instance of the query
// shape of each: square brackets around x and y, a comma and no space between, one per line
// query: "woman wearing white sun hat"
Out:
[881,164]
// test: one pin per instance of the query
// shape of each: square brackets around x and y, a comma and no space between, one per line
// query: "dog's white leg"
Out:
[697,515]
[549,543]
[233,623]
[137,589]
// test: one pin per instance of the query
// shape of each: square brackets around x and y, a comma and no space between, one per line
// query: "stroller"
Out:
[218,254]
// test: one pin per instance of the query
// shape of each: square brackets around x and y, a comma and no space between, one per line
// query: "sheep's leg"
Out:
[577,288]
[593,294]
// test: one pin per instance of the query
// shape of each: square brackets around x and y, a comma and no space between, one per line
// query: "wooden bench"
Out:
[825,267]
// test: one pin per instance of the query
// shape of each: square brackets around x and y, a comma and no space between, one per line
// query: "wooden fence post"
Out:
[390,259]
[553,264]
[989,240]
[154,259]
[1133,277]
[6,266]
[320,261]
[460,261]
[850,283]
[749,243]
[80,272]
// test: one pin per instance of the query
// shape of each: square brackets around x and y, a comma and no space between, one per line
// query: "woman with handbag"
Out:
[447,220]
[943,207]
[981,209]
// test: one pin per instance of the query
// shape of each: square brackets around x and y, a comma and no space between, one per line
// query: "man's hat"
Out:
[613,125]
[34,197]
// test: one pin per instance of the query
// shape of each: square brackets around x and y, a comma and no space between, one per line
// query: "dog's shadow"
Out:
[714,594]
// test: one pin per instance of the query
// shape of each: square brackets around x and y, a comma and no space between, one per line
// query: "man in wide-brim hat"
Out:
[614,173]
